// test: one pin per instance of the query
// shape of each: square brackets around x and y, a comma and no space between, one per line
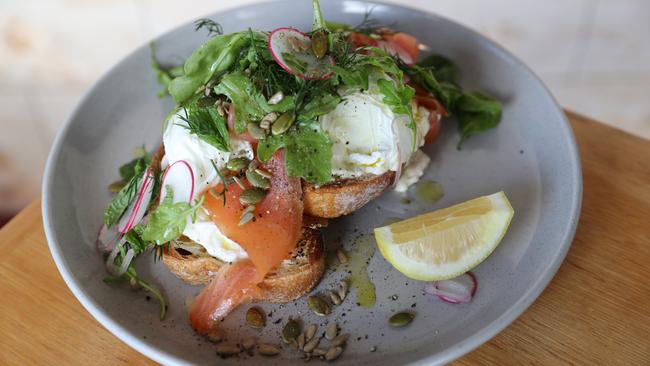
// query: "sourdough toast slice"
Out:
[344,196]
[295,276]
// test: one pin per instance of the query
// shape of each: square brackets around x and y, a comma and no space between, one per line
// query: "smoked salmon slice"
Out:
[268,240]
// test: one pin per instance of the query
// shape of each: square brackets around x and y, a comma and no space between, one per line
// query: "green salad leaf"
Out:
[308,152]
[132,173]
[319,105]
[164,75]
[216,56]
[476,113]
[135,167]
[169,219]
[398,97]
[208,125]
[442,68]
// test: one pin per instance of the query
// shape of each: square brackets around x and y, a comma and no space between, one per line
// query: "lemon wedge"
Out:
[448,242]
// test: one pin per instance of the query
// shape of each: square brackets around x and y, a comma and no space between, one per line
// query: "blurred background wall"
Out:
[594,55]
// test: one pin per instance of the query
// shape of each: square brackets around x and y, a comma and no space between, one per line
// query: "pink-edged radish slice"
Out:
[457,290]
[107,238]
[180,177]
[396,50]
[291,49]
[136,210]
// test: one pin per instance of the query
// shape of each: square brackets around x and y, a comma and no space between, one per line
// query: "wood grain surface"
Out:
[596,311]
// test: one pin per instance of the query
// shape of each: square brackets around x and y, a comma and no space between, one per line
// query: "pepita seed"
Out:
[214,337]
[276,98]
[319,43]
[226,350]
[343,258]
[221,110]
[250,209]
[283,123]
[309,346]
[245,218]
[268,349]
[319,351]
[237,164]
[116,186]
[255,318]
[333,353]
[331,331]
[264,173]
[340,340]
[401,319]
[343,290]
[239,182]
[255,131]
[265,123]
[310,332]
[336,299]
[248,343]
[252,196]
[318,305]
[291,331]
[257,180]
[301,341]
[207,91]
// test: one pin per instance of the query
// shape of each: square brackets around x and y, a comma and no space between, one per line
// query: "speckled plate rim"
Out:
[447,355]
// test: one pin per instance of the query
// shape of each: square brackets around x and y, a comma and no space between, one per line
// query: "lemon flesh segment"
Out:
[446,243]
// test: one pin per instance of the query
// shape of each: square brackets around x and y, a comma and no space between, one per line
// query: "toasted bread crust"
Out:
[292,279]
[344,196]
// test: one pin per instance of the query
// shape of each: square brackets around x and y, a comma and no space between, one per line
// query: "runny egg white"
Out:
[368,138]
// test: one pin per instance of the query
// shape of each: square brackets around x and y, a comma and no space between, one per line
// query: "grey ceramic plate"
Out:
[531,156]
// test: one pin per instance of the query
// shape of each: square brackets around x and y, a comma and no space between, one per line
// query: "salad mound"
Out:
[266,121]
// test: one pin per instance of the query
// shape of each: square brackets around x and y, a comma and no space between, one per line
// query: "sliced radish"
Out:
[180,177]
[457,290]
[107,238]
[283,41]
[137,209]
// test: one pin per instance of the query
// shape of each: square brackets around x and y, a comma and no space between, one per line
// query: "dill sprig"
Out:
[213,28]
[208,125]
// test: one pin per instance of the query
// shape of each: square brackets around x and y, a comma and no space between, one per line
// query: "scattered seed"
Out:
[343,290]
[333,353]
[373,349]
[331,332]
[207,91]
[336,299]
[255,318]
[319,351]
[252,196]
[301,341]
[245,218]
[343,258]
[310,332]
[255,131]
[221,110]
[239,182]
[291,331]
[319,43]
[401,319]
[257,180]
[250,209]
[283,123]
[309,346]
[214,337]
[267,120]
[276,98]
[268,349]
[340,340]
[248,343]
[237,164]
[318,305]
[226,350]
[264,173]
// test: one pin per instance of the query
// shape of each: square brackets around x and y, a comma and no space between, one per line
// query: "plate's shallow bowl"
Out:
[531,156]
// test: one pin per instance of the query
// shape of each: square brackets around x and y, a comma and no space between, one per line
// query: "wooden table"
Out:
[596,311]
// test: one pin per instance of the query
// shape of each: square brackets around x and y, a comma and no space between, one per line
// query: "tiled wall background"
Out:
[594,55]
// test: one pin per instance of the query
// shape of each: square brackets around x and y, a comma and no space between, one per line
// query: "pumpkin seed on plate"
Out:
[319,43]
[227,350]
[336,299]
[246,217]
[291,331]
[237,164]
[283,123]
[276,98]
[318,305]
[301,341]
[333,353]
[331,331]
[252,196]
[343,290]
[268,349]
[309,346]
[340,340]
[248,343]
[310,332]
[255,318]
[401,319]
[257,180]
